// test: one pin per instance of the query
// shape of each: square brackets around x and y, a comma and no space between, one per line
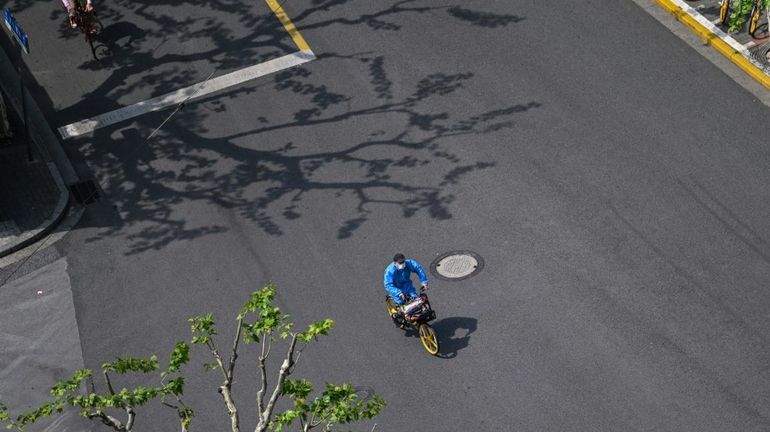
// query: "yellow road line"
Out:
[715,41]
[288,25]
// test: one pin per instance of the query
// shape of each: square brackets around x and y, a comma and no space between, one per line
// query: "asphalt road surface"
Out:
[613,180]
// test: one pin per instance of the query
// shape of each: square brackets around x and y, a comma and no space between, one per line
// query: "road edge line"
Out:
[716,38]
[302,45]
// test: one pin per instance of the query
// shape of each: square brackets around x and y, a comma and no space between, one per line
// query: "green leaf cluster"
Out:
[124,365]
[267,318]
[70,392]
[259,320]
[740,12]
[203,329]
[180,356]
[63,393]
[338,404]
[316,329]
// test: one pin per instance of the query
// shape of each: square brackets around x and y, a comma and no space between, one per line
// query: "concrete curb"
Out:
[715,37]
[29,237]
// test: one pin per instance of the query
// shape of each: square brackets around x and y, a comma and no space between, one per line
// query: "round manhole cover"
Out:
[456,265]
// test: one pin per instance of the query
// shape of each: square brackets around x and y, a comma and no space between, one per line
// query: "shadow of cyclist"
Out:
[115,40]
[453,334]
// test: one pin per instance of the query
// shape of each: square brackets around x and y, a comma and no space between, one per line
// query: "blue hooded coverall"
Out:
[399,281]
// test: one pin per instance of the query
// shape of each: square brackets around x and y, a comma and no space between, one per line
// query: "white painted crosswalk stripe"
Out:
[192,92]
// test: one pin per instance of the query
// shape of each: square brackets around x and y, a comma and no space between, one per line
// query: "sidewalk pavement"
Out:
[33,197]
[751,53]
[41,344]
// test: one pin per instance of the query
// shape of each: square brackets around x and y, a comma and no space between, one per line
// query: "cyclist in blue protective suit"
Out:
[398,281]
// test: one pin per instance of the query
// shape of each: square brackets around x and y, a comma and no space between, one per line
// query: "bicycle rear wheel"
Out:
[428,338]
[754,18]
[90,40]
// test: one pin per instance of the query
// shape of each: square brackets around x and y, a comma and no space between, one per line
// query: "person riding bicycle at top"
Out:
[70,5]
[398,281]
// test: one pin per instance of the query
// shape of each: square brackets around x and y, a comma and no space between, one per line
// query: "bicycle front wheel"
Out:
[724,11]
[392,308]
[428,338]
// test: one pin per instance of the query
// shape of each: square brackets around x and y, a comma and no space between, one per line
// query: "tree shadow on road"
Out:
[215,29]
[483,19]
[250,171]
[267,183]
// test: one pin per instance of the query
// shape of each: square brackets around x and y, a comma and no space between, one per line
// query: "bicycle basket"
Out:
[413,306]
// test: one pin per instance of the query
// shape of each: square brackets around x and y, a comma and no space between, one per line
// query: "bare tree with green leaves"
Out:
[260,323]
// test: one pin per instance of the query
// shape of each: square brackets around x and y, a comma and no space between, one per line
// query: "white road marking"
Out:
[195,91]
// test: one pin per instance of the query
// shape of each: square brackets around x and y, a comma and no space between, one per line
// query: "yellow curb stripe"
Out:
[288,25]
[715,41]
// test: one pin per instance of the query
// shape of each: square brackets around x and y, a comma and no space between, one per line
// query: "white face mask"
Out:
[400,266]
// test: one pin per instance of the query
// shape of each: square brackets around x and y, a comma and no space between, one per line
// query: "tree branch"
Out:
[285,370]
[224,389]
[131,417]
[309,425]
[269,346]
[180,412]
[296,360]
[228,372]
[234,352]
[91,382]
[232,410]
[109,383]
[265,351]
[107,420]
[215,353]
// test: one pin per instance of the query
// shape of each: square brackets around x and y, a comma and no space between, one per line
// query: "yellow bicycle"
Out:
[415,313]
[727,8]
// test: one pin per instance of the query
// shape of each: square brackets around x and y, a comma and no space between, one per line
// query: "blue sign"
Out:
[15,28]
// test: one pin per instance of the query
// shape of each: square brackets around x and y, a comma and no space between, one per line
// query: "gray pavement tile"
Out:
[8,233]
[40,340]
[29,194]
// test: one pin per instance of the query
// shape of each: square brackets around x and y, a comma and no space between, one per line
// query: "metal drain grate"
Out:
[456,265]
[85,192]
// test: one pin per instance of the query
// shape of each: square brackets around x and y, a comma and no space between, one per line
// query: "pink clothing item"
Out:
[69,6]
